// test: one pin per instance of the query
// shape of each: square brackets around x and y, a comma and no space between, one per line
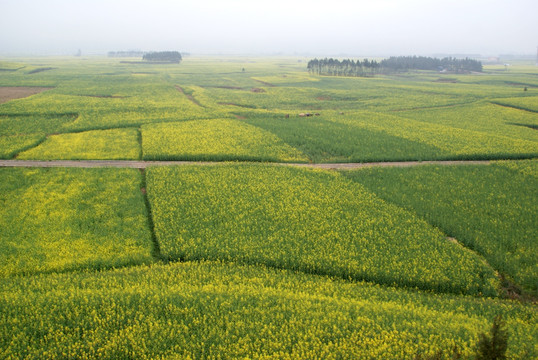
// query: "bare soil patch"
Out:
[257,90]
[8,93]
[514,292]
[453,240]
[323,98]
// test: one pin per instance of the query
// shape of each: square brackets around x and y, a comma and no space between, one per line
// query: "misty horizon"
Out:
[240,27]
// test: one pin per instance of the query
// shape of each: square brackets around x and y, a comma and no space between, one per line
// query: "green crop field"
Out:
[410,117]
[490,209]
[528,103]
[250,255]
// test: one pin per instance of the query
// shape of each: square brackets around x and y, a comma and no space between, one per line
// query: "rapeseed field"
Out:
[312,221]
[245,259]
[67,219]
[490,209]
[210,310]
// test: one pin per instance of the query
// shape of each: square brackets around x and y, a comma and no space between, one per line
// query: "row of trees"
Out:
[163,56]
[367,67]
[398,63]
[346,67]
[130,53]
[155,56]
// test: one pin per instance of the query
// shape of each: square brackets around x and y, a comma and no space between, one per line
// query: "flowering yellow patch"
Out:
[11,145]
[98,144]
[212,310]
[526,103]
[216,139]
[527,167]
[455,141]
[314,221]
[61,219]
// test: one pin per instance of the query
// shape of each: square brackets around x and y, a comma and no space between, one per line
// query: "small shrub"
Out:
[494,345]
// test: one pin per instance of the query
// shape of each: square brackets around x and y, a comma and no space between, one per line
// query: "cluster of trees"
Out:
[367,67]
[346,67]
[130,53]
[163,56]
[398,63]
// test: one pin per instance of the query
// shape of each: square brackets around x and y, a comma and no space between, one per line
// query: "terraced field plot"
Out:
[217,140]
[310,221]
[211,309]
[34,124]
[453,142]
[324,140]
[463,122]
[65,219]
[487,118]
[97,144]
[105,102]
[491,209]
[524,103]
[12,145]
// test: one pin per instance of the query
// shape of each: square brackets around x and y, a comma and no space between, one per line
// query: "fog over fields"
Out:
[351,27]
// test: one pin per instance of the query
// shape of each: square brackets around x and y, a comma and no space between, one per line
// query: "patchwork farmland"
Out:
[223,222]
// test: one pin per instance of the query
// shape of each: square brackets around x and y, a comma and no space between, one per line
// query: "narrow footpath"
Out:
[138,164]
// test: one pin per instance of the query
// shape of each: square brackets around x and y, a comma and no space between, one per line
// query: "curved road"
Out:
[139,164]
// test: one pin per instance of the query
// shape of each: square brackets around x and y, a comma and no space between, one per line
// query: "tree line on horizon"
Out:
[347,67]
[163,56]
[155,56]
[129,53]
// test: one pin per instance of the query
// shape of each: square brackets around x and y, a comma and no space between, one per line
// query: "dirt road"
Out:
[138,164]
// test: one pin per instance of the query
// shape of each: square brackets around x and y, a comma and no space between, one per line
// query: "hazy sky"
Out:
[328,27]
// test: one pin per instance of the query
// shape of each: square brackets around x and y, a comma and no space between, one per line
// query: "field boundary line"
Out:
[351,166]
[138,164]
[514,107]
[189,96]
[156,247]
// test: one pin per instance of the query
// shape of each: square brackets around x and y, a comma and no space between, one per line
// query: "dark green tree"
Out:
[493,346]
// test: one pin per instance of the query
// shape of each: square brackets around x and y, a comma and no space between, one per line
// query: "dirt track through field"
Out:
[139,164]
[189,96]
